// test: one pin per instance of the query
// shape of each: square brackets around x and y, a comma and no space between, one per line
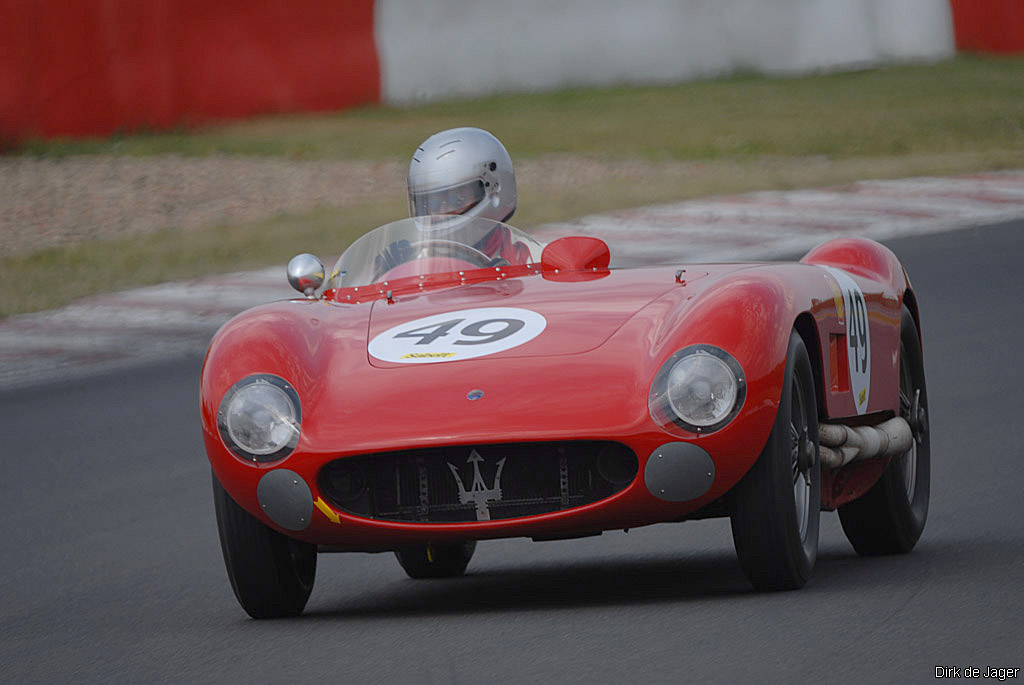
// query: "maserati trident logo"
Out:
[479,494]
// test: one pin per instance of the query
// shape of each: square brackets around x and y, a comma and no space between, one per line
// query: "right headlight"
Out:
[260,418]
[700,389]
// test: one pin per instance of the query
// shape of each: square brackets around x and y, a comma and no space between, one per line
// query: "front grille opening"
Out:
[478,482]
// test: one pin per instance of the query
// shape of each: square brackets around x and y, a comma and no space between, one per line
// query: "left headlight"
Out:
[260,418]
[700,389]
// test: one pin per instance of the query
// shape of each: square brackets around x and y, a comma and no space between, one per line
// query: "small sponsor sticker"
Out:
[837,297]
[428,355]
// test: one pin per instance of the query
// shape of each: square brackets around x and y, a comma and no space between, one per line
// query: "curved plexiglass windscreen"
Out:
[432,244]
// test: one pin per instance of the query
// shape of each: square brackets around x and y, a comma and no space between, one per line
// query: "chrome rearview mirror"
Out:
[306,273]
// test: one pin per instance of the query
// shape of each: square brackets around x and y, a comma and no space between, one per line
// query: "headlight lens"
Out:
[699,389]
[260,418]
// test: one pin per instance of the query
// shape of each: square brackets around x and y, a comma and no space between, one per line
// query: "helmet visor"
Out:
[453,200]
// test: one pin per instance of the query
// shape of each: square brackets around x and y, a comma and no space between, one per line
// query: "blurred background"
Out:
[154,140]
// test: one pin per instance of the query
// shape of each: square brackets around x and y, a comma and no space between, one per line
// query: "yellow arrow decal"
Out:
[327,511]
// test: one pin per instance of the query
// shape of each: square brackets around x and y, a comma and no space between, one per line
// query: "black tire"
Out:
[889,518]
[270,573]
[777,505]
[436,560]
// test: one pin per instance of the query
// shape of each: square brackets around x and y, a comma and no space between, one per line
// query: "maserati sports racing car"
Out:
[430,393]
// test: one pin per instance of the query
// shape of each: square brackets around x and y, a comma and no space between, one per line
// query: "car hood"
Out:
[533,316]
[615,324]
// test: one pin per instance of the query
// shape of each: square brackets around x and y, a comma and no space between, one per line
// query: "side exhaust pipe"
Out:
[839,444]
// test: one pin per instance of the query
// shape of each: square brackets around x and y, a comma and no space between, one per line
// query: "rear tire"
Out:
[436,560]
[271,574]
[778,503]
[889,518]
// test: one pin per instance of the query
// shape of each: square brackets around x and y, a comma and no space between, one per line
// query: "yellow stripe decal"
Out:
[327,511]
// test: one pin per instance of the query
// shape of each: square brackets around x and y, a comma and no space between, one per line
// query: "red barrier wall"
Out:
[80,67]
[989,25]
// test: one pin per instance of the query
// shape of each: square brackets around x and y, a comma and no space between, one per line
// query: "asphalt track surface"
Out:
[111,570]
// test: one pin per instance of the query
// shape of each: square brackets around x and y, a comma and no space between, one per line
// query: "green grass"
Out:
[730,135]
[954,106]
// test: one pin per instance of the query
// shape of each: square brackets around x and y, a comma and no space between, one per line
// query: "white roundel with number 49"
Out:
[858,337]
[452,336]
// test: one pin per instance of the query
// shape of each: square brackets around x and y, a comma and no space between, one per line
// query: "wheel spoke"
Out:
[908,461]
[801,499]
[904,403]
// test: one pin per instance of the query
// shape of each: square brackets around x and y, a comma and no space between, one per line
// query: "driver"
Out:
[463,172]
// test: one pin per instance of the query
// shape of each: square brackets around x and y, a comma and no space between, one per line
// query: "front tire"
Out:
[271,574]
[778,503]
[889,518]
[436,560]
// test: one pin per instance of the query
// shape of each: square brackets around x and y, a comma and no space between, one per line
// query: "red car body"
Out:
[587,376]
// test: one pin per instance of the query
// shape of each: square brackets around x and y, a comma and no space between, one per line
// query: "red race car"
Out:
[435,391]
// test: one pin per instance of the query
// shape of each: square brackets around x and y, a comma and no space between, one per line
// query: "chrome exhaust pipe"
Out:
[839,444]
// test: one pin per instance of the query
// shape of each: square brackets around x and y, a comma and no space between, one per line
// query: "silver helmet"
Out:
[464,171]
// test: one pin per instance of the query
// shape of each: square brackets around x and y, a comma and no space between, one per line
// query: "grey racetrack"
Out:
[111,569]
